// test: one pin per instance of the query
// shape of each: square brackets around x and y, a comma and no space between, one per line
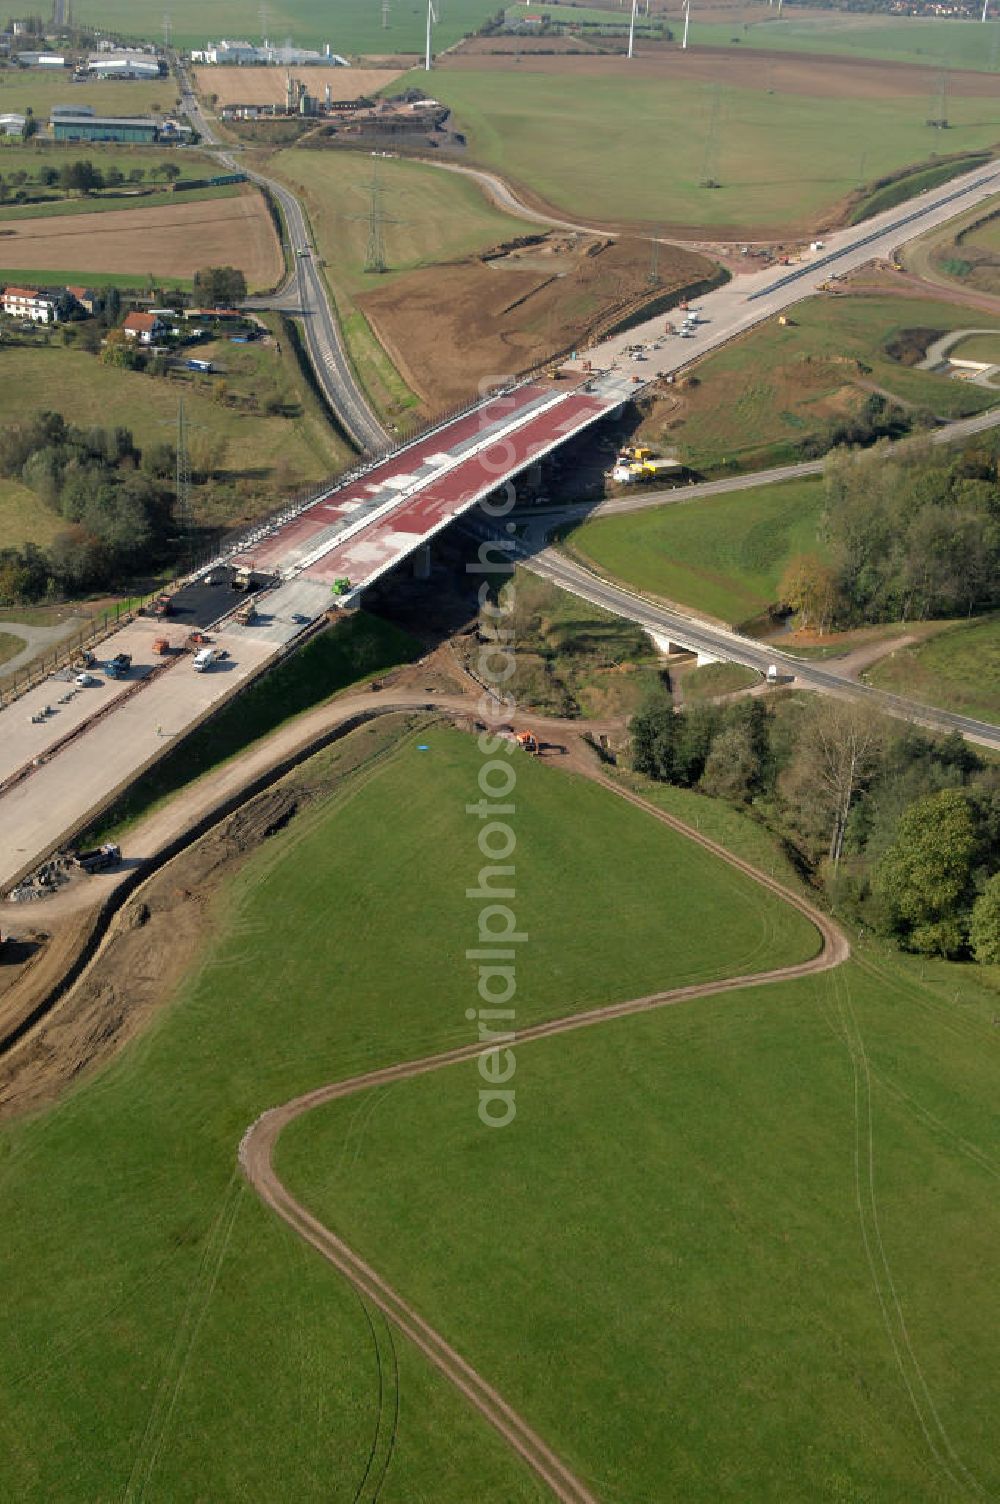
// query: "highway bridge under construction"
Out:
[60,763]
[359,530]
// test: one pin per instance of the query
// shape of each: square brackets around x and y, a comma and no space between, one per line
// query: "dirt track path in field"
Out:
[457,700]
[256,1153]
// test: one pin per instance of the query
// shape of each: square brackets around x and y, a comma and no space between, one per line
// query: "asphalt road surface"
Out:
[695,633]
[304,295]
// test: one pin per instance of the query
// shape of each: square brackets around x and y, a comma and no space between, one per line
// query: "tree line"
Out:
[907,533]
[115,499]
[80,177]
[900,828]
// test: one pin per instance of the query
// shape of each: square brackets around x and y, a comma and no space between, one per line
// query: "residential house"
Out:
[144,327]
[86,297]
[41,306]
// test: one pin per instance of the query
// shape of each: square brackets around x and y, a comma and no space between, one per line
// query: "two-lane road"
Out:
[303,295]
[722,642]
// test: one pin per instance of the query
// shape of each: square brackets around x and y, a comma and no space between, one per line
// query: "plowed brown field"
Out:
[235,231]
[818,77]
[267,85]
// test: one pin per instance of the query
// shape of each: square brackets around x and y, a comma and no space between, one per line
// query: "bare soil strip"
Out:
[257,1149]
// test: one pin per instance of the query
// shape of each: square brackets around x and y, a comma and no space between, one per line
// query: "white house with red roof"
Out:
[144,327]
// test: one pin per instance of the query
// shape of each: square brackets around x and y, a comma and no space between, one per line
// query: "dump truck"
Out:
[247,614]
[241,578]
[99,858]
[161,647]
[162,606]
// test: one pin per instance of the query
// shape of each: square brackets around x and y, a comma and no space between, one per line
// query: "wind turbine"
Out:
[687,23]
[631,27]
[431,16]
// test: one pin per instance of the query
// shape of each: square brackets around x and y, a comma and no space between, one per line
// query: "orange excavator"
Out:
[528,742]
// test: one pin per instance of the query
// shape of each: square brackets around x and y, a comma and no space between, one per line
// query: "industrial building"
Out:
[41,60]
[136,129]
[125,65]
[243,54]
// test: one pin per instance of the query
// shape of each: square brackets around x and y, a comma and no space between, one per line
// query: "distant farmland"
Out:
[784,143]
[234,231]
[267,85]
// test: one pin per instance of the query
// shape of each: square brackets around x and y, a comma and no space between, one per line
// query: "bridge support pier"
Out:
[670,647]
[422,562]
[532,478]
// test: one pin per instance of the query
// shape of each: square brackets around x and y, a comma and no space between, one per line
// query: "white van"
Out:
[205,658]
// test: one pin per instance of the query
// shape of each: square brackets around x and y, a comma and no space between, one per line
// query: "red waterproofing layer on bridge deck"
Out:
[389,539]
[297,538]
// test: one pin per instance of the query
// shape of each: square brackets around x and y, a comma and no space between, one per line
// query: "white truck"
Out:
[206,658]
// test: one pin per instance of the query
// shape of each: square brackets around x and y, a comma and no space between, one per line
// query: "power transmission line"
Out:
[375,253]
[182,493]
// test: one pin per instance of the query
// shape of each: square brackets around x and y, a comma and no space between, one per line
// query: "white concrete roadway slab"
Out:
[298,597]
[20,741]
[36,812]
[750,299]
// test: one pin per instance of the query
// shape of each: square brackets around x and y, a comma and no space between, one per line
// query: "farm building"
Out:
[12,125]
[134,128]
[125,65]
[41,60]
[70,111]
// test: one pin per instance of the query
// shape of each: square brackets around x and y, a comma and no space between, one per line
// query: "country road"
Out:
[304,296]
[951,432]
[710,637]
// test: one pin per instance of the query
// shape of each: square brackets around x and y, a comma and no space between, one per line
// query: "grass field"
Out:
[31,88]
[252,458]
[963,253]
[912,184]
[958,670]
[717,679]
[984,347]
[105,204]
[781,159]
[355,26]
[10,646]
[198,1311]
[24,518]
[760,399]
[929,41]
[717,1244]
[723,555]
[47,276]
[430,216]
